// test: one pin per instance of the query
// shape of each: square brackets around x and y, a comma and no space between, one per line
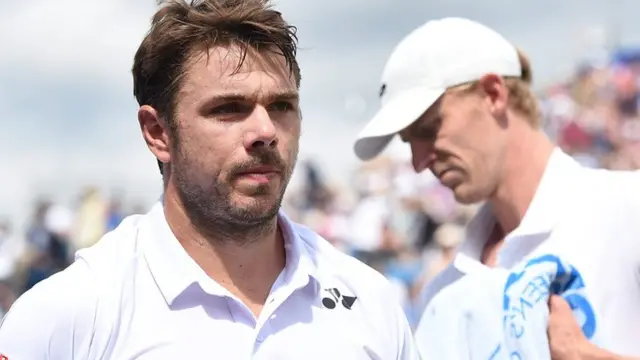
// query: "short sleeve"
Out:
[54,320]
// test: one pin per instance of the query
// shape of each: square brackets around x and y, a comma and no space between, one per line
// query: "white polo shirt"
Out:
[136,294]
[590,218]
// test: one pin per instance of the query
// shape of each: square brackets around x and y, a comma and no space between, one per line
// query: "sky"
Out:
[68,115]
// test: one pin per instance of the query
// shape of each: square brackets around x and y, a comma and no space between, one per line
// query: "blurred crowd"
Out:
[595,116]
[403,224]
[53,235]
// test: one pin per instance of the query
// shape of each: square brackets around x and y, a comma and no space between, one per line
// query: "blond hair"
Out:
[521,97]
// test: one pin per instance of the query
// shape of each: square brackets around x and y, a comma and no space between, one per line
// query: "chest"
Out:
[608,268]
[299,329]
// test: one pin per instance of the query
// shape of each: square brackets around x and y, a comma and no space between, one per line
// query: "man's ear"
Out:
[497,94]
[155,133]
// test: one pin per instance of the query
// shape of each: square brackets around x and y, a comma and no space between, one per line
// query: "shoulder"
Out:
[60,314]
[609,185]
[374,293]
[55,316]
[446,277]
[115,249]
[336,263]
[610,198]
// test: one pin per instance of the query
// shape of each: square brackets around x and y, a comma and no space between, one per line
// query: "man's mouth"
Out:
[259,174]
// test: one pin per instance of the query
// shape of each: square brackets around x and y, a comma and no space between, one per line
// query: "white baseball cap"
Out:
[433,58]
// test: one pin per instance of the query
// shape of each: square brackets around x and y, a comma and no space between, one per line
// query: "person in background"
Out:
[7,298]
[447,239]
[36,259]
[91,219]
[460,95]
[10,251]
[316,195]
[59,222]
[371,238]
[115,213]
[214,270]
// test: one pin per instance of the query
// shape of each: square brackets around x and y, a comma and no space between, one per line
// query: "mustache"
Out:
[265,158]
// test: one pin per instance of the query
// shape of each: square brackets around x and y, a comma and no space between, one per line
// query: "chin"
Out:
[467,195]
[259,206]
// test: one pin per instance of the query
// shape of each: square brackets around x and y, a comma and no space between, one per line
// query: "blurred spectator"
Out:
[37,234]
[115,214]
[10,251]
[91,219]
[59,222]
[48,242]
[316,194]
[447,238]
[408,215]
[371,238]
[7,298]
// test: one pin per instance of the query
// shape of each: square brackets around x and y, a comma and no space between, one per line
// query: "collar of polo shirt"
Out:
[551,200]
[174,271]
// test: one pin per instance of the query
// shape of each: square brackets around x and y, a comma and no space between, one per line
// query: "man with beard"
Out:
[213,271]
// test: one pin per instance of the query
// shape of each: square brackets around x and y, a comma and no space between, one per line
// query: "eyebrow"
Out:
[270,97]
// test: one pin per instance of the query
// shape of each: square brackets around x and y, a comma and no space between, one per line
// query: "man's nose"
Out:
[261,131]
[422,156]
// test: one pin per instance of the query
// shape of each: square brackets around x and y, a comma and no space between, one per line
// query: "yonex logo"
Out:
[334,297]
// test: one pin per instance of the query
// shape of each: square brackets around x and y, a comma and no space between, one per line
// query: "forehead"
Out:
[217,71]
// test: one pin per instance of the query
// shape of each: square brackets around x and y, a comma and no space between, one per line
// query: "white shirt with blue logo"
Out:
[588,219]
[500,314]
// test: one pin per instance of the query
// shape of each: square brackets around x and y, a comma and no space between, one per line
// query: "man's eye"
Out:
[427,133]
[281,106]
[229,108]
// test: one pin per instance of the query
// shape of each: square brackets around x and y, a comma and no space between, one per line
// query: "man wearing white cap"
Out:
[459,94]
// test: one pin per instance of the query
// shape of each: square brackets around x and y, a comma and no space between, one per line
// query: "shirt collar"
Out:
[175,272]
[553,195]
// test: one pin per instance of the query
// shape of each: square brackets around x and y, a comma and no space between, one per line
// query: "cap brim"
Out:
[401,111]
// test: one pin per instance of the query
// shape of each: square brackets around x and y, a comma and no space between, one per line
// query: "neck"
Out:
[244,265]
[526,162]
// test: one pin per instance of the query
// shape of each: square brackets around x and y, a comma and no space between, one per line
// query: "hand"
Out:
[566,340]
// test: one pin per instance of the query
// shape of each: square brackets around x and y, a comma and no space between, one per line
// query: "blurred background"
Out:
[73,163]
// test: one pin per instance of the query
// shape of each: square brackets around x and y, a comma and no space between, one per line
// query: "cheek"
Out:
[203,152]
[465,146]
[455,140]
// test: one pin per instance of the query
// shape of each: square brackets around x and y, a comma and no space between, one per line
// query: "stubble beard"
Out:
[211,209]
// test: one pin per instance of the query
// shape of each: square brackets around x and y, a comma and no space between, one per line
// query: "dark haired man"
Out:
[214,270]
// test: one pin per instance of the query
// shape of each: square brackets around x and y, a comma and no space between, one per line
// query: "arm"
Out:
[53,320]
